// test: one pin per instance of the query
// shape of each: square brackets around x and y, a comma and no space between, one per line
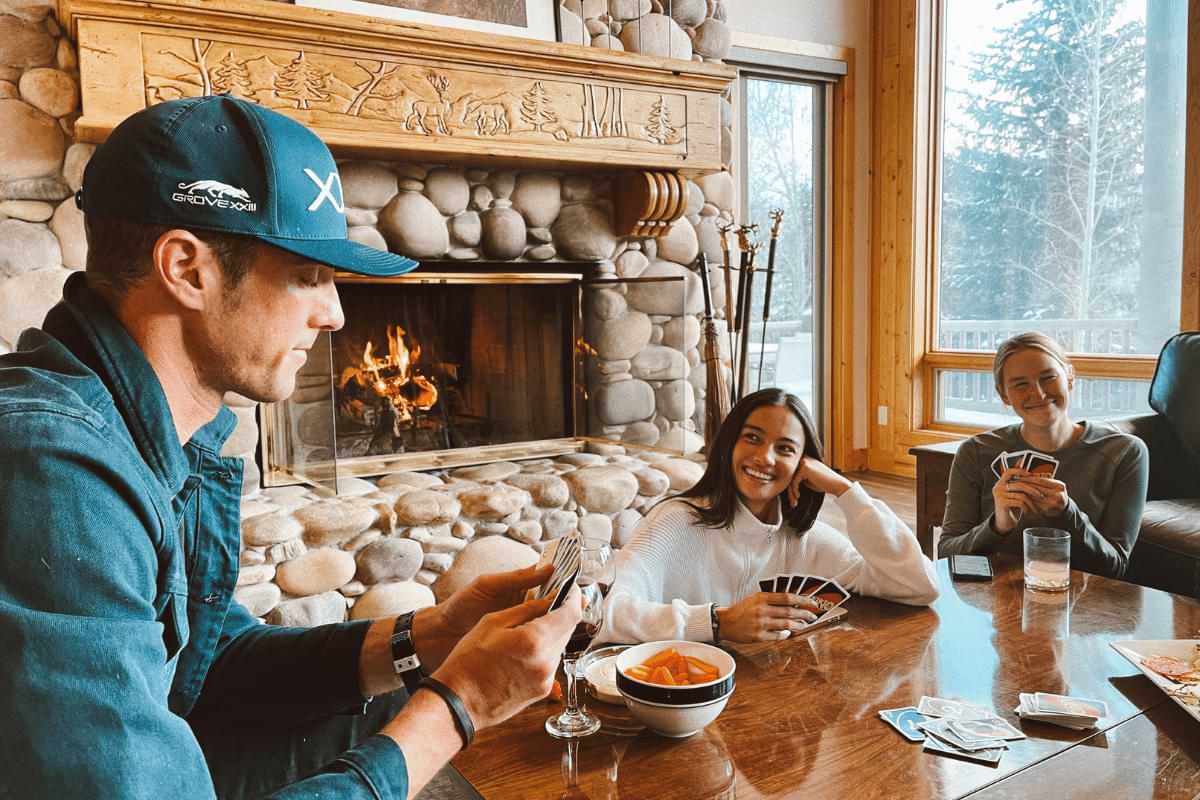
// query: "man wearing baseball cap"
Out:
[128,670]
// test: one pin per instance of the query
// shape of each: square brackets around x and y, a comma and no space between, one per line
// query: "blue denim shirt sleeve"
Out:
[93,617]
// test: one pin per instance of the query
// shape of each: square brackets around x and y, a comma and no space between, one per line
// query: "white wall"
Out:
[841,23]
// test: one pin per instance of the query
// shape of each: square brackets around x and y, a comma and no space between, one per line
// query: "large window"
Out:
[1061,191]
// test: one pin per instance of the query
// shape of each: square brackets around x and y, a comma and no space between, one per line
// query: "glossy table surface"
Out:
[803,721]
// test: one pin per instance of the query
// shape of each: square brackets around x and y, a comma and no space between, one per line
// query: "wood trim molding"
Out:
[1087,366]
[842,346]
[1189,317]
[398,90]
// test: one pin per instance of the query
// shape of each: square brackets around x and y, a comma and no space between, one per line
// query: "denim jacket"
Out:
[118,559]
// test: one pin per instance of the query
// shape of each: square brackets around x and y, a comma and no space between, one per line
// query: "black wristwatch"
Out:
[404,655]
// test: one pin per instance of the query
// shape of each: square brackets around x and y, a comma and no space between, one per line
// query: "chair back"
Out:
[1175,389]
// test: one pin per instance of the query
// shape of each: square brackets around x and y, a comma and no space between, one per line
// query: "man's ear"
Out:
[186,268]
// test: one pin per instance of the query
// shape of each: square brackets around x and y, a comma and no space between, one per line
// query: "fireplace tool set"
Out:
[737,319]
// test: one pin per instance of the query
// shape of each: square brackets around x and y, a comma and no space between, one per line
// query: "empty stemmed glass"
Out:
[596,575]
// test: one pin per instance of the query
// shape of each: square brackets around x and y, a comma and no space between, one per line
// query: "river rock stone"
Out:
[334,521]
[361,217]
[390,599]
[418,480]
[605,304]
[668,298]
[584,232]
[657,35]
[316,571]
[624,402]
[682,333]
[652,482]
[537,196]
[527,531]
[718,189]
[389,560]
[34,211]
[644,433]
[503,234]
[708,237]
[437,562]
[309,612]
[425,507]
[631,264]
[622,338]
[496,471]
[258,598]
[244,438]
[484,556]
[676,400]
[466,228]
[286,551]
[260,573]
[269,529]
[624,526]
[32,144]
[412,226]
[628,9]
[67,226]
[679,243]
[49,90]
[581,459]
[606,41]
[493,502]
[713,39]
[605,489]
[481,197]
[27,248]
[367,236]
[547,491]
[445,544]
[447,188]
[658,363]
[682,473]
[366,184]
[24,44]
[596,526]
[558,523]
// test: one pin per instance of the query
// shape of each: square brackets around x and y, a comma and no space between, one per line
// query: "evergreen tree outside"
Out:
[1042,174]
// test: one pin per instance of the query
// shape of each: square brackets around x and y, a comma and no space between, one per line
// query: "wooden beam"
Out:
[1189,317]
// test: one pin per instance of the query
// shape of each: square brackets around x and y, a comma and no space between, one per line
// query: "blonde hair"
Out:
[1027,341]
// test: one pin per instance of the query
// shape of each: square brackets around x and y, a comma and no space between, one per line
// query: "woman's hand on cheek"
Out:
[817,476]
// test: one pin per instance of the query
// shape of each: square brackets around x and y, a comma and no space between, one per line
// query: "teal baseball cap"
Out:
[220,163]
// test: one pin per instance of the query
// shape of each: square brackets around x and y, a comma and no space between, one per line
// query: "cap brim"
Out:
[347,255]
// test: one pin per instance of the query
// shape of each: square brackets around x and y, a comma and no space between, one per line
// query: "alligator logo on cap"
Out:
[216,194]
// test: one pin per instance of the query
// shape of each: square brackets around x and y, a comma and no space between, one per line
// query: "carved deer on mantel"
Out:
[427,114]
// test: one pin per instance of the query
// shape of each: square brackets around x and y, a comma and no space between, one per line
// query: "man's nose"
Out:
[330,313]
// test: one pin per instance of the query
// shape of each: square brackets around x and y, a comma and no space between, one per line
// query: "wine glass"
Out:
[596,575]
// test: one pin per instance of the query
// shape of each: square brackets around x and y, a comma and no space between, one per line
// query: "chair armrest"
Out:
[1172,468]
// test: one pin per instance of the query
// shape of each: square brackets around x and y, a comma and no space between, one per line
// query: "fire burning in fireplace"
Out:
[393,378]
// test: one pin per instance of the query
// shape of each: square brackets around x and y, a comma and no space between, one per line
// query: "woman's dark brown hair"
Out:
[716,491]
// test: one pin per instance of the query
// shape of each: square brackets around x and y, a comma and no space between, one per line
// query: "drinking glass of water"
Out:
[1047,559]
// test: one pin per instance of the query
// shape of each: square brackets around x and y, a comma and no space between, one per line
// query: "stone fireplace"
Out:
[585,232]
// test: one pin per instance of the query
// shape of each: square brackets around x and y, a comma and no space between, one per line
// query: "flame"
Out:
[392,377]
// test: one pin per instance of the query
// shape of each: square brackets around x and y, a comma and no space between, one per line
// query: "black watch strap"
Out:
[404,654]
[462,719]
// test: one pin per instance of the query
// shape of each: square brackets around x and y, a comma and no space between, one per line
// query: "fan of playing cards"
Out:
[564,553]
[1029,460]
[826,593]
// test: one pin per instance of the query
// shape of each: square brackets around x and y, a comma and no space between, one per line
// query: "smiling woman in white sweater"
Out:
[691,570]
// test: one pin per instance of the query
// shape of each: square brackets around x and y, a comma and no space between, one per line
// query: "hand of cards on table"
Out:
[1029,460]
[564,553]
[825,593]
[1070,712]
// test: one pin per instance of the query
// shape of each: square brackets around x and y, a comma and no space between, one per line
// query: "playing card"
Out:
[1071,706]
[811,584]
[998,464]
[1016,459]
[830,595]
[990,756]
[767,585]
[1027,710]
[943,729]
[564,553]
[952,709]
[1040,465]
[905,720]
[992,728]
[781,582]
[795,583]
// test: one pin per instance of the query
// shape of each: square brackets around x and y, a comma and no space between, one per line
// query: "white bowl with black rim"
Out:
[676,711]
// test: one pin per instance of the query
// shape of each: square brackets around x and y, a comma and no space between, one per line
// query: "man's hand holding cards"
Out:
[564,553]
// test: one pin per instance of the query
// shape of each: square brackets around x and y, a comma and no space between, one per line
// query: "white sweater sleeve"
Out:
[634,610]
[878,556]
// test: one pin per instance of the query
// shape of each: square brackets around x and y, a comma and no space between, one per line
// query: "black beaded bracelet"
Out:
[462,720]
[716,623]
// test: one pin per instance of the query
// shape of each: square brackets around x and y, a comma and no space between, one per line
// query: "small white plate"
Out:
[599,669]
[1184,649]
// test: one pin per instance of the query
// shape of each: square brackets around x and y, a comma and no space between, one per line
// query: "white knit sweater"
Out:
[674,569]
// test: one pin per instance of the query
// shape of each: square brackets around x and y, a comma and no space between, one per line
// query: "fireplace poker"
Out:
[716,397]
[776,222]
[746,293]
[726,228]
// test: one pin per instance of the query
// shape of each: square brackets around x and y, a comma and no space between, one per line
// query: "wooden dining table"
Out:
[803,721]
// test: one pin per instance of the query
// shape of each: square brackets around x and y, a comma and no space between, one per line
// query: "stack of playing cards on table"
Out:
[1059,709]
[954,728]
[1032,462]
[564,552]
[825,593]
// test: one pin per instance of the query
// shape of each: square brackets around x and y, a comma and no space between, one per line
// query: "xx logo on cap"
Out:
[326,187]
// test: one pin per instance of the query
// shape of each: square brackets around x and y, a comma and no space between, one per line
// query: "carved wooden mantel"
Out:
[401,91]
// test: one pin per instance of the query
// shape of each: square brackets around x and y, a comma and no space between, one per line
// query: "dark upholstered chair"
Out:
[1167,553]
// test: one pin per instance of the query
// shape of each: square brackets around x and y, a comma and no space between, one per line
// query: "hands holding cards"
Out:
[1026,483]
[787,604]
